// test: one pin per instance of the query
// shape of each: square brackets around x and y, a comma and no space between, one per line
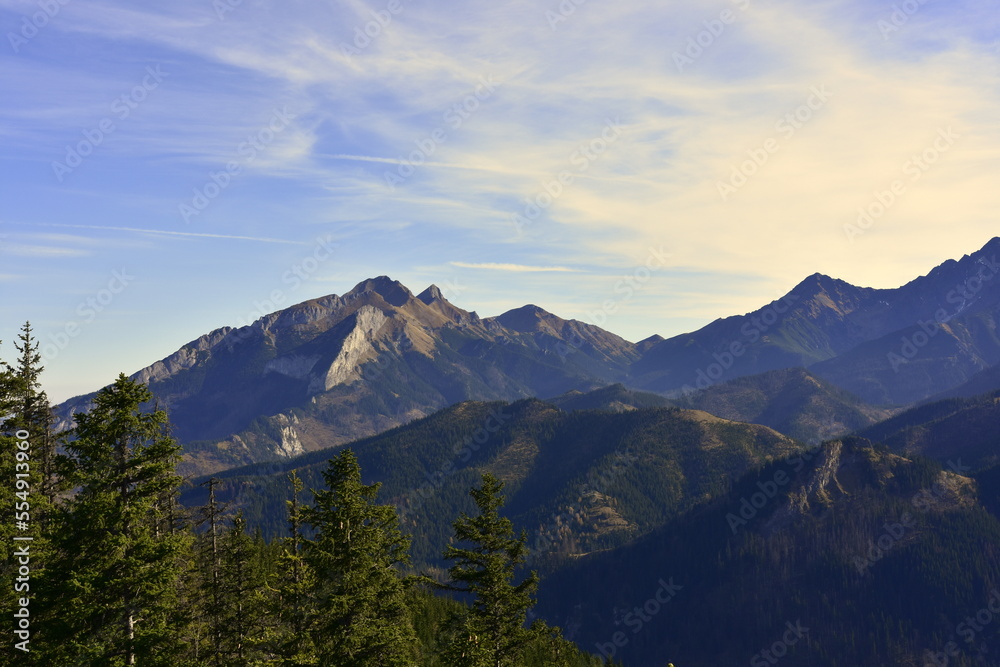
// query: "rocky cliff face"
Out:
[357,346]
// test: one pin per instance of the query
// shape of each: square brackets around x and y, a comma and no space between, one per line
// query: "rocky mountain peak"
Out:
[431,294]
[529,319]
[820,283]
[392,291]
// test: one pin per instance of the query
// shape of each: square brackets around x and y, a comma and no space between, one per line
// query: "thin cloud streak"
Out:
[164,232]
[518,268]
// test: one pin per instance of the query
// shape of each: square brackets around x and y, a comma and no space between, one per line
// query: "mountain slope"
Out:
[791,401]
[613,398]
[853,556]
[955,429]
[576,481]
[333,369]
[983,382]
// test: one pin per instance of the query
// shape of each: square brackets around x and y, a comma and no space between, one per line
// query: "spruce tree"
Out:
[362,619]
[485,564]
[293,582]
[242,602]
[211,568]
[34,414]
[32,401]
[111,602]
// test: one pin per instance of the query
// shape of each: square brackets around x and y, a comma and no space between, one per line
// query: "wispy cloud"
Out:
[517,268]
[41,251]
[167,232]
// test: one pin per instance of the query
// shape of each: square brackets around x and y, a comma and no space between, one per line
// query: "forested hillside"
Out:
[848,555]
[577,481]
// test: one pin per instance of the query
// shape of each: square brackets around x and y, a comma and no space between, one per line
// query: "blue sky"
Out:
[171,169]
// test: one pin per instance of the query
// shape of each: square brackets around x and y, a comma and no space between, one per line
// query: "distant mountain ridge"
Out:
[888,346]
[966,429]
[336,368]
[792,401]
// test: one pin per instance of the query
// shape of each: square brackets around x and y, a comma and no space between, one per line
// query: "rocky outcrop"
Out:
[290,445]
[358,343]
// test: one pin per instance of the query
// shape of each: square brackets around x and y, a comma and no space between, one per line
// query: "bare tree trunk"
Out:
[217,627]
[130,633]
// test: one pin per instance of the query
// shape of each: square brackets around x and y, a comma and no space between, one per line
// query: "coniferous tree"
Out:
[111,600]
[362,618]
[242,602]
[32,401]
[293,582]
[211,571]
[493,632]
[31,413]
[34,414]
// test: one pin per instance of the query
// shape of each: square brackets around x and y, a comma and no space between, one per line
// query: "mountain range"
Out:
[338,368]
